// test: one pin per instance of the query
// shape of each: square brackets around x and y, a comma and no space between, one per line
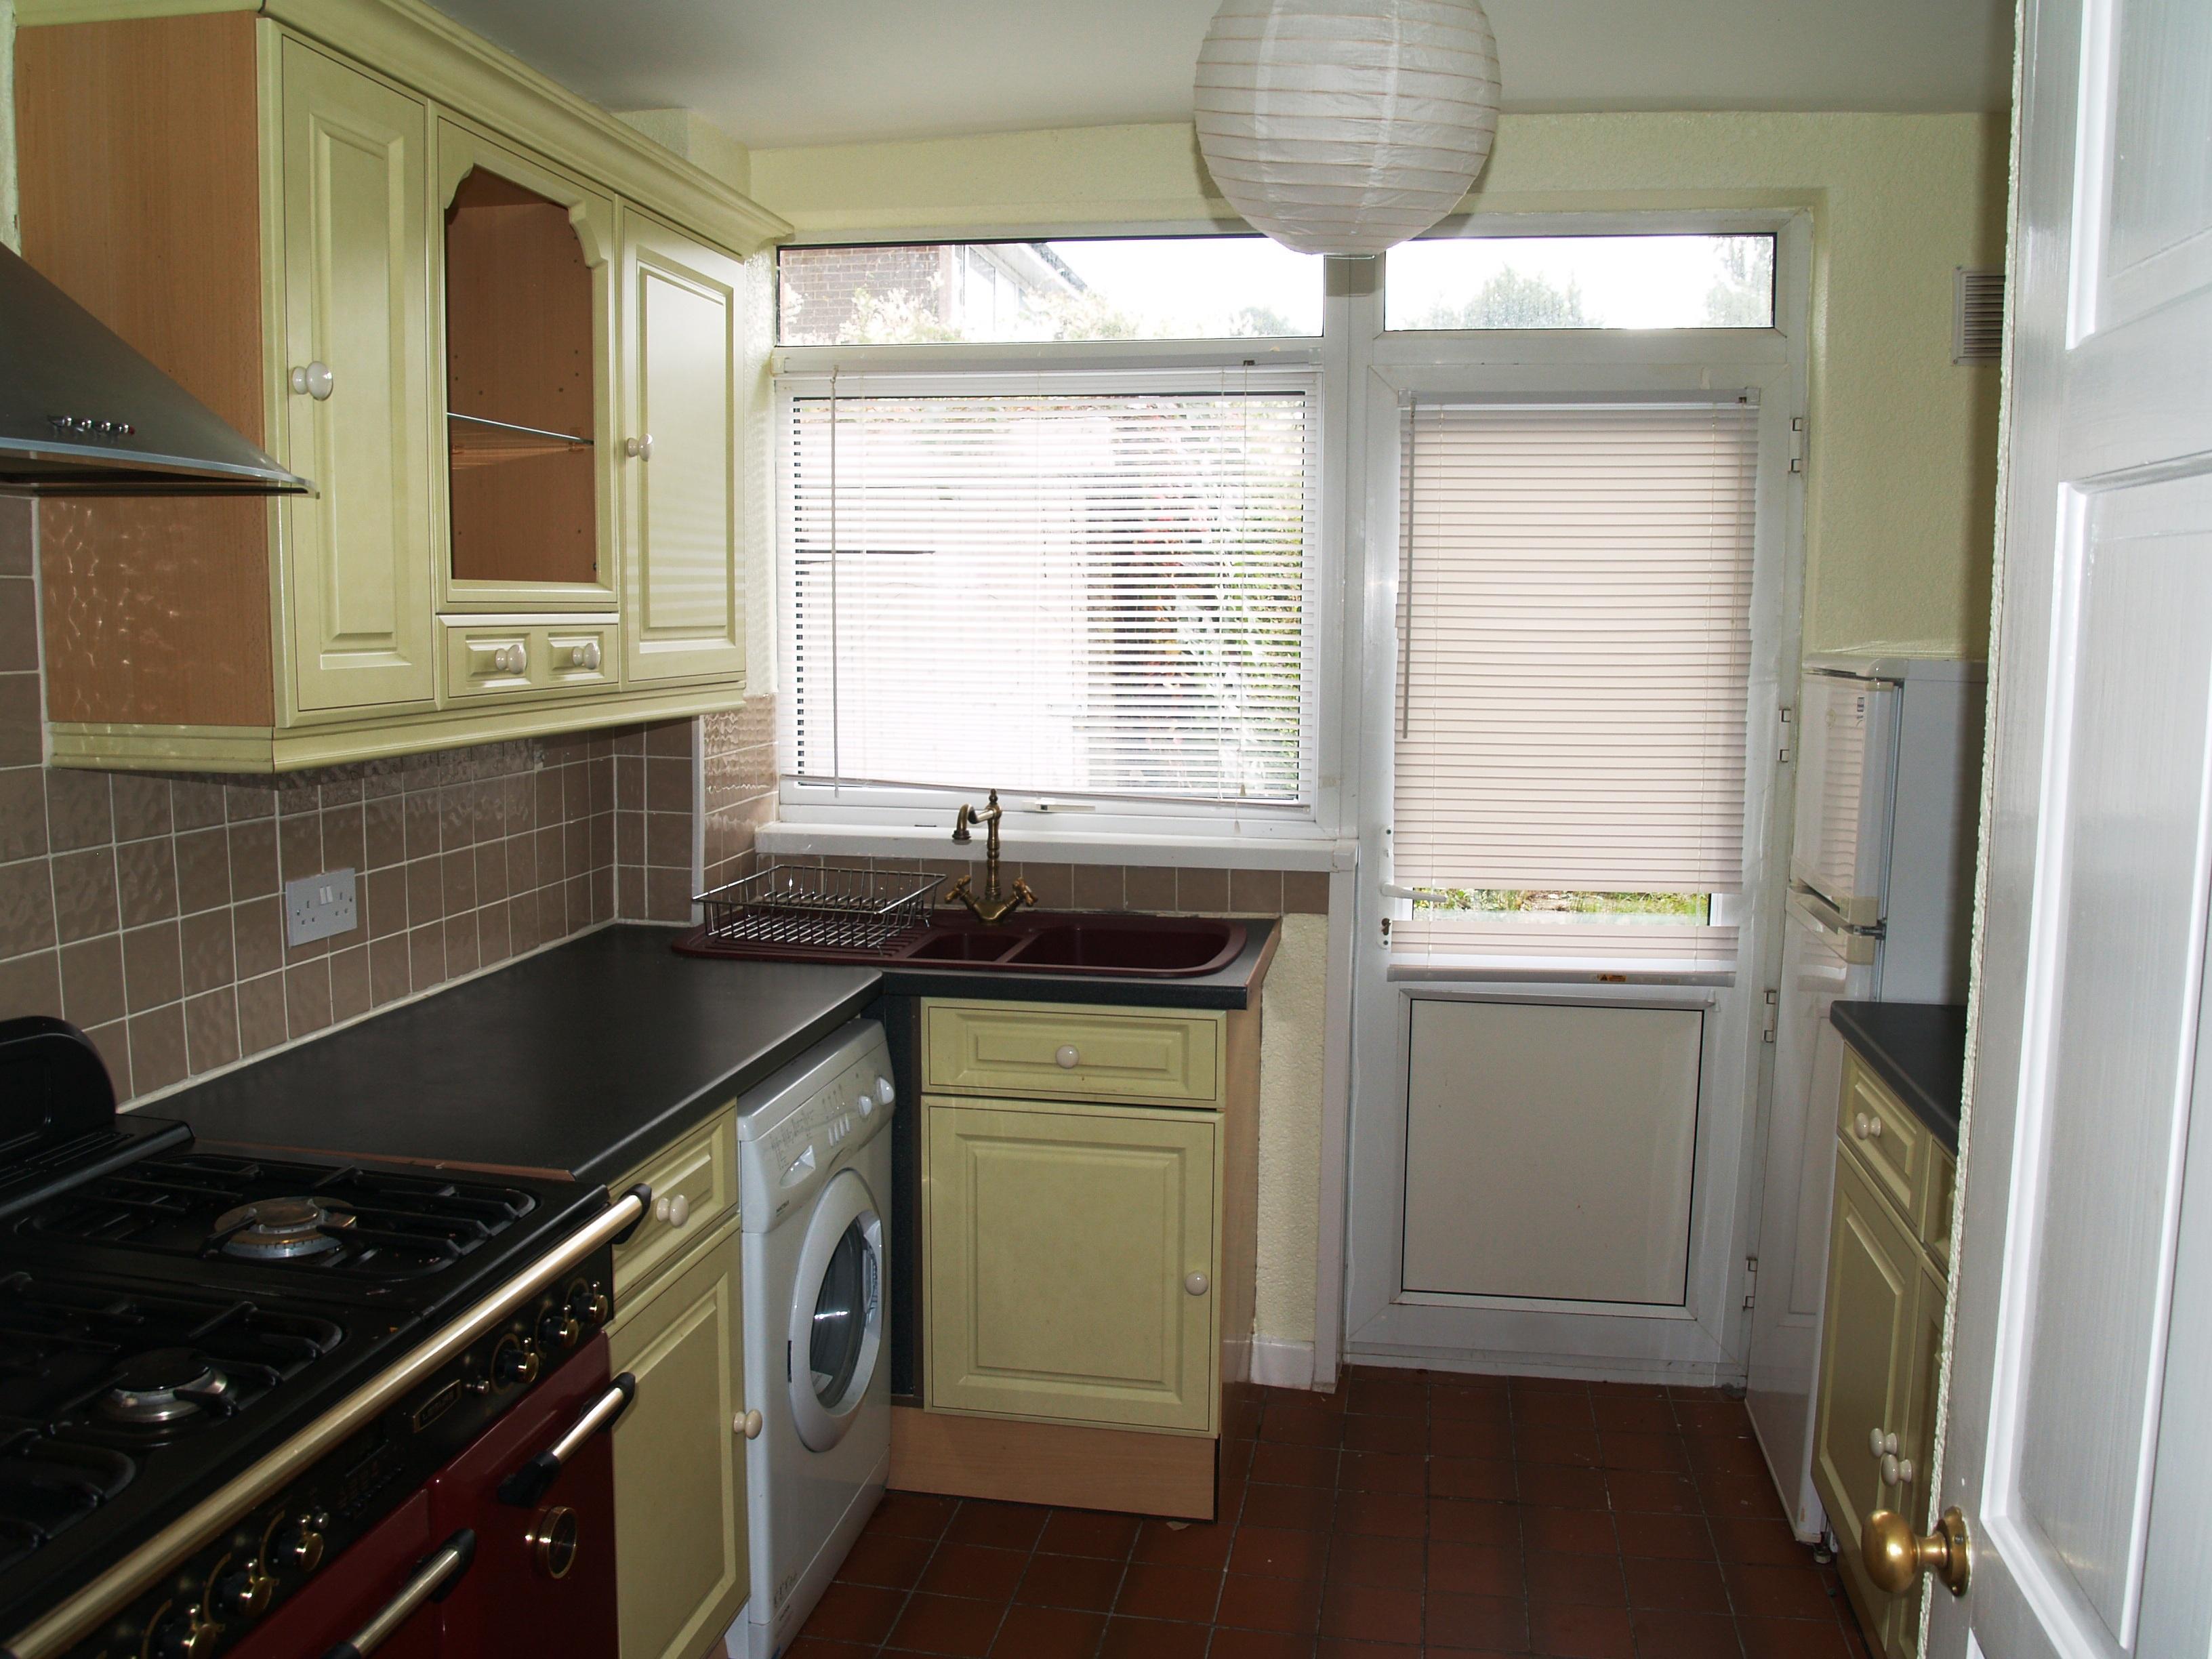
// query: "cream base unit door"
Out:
[1071,1256]
[357,554]
[680,1554]
[682,323]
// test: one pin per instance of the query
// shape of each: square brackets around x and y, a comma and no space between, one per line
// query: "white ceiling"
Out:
[773,73]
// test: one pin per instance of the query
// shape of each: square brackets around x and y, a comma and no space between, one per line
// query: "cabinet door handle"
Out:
[1859,1127]
[1067,1058]
[528,1483]
[747,1424]
[674,1210]
[313,380]
[585,656]
[1874,1127]
[1891,1469]
[1196,1283]
[511,659]
[639,449]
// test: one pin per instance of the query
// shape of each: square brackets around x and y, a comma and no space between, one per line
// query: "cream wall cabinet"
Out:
[439,286]
[1072,1260]
[1881,1338]
[684,305]
[354,157]
[680,1537]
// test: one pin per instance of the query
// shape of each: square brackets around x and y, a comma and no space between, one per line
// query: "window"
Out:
[1099,288]
[1581,282]
[1082,584]
[1574,608]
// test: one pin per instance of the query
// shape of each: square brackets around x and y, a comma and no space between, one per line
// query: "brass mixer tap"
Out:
[994,907]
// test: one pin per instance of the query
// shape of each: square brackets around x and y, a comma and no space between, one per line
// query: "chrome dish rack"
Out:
[826,908]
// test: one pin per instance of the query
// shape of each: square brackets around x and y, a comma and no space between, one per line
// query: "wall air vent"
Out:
[1977,300]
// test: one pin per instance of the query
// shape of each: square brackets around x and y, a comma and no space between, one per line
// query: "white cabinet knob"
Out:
[674,1210]
[1066,1057]
[511,658]
[1875,1447]
[1874,1128]
[313,380]
[639,449]
[1905,1472]
[1859,1127]
[1891,1469]
[747,1424]
[585,656]
[1196,1283]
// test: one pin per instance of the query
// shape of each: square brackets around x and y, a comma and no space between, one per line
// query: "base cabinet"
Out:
[1072,1262]
[1881,1353]
[680,1539]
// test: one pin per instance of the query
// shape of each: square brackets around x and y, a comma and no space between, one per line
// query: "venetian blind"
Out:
[1575,592]
[1098,593]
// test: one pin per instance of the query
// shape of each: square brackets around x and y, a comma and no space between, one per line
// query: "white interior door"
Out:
[2080,1427]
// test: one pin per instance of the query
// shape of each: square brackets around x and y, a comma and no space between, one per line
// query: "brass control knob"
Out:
[185,1636]
[514,1366]
[558,1328]
[589,1304]
[1893,1555]
[247,1593]
[306,1548]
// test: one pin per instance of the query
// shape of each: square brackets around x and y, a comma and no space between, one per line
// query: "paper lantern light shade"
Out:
[1345,126]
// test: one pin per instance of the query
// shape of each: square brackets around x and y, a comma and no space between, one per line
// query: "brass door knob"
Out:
[1894,1555]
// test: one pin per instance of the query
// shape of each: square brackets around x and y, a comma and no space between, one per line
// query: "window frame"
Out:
[854,819]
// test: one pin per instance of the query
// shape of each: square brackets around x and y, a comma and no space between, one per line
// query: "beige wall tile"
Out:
[252,859]
[23,816]
[1255,892]
[153,967]
[210,961]
[77,811]
[1305,892]
[1099,887]
[146,880]
[203,869]
[142,806]
[261,1019]
[1149,889]
[211,1030]
[350,997]
[92,981]
[20,730]
[157,1048]
[113,1042]
[26,907]
[307,998]
[1201,891]
[32,985]
[84,893]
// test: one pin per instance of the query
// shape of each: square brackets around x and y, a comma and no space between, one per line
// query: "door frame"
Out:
[1706,1339]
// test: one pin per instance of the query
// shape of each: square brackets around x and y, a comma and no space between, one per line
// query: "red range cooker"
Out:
[286,1409]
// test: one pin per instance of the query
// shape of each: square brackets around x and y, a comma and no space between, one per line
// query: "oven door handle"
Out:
[527,1484]
[433,1580]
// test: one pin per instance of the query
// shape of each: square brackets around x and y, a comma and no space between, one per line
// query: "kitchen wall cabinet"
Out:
[354,159]
[449,293]
[683,321]
[680,1537]
[1072,1263]
[1881,1338]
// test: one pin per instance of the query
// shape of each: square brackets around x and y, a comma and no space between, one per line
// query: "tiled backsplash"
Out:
[653,816]
[738,756]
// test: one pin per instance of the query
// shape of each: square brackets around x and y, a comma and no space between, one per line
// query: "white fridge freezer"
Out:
[1889,764]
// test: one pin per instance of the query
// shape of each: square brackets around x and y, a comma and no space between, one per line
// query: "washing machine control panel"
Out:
[809,1145]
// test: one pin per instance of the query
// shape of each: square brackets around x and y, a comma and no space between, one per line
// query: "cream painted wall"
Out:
[1292,1004]
[1902,482]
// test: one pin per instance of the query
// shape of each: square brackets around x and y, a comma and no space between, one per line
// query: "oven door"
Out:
[537,1489]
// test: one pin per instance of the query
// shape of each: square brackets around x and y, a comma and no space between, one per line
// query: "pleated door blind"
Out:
[1099,592]
[1574,650]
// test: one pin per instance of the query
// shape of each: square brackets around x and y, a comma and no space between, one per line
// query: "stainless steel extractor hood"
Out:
[82,413]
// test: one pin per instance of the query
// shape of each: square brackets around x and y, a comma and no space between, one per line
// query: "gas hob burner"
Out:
[162,1386]
[281,1228]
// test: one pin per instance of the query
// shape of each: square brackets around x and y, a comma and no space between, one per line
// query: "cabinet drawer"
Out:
[484,659]
[694,1183]
[1075,1053]
[1885,1137]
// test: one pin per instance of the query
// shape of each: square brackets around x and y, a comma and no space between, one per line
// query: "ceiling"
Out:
[772,73]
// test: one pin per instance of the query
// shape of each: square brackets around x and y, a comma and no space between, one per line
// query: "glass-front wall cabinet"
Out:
[529,499]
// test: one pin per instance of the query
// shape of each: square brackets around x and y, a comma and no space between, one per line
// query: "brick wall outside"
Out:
[816,287]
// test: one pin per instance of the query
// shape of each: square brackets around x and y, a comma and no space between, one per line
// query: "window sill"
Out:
[786,840]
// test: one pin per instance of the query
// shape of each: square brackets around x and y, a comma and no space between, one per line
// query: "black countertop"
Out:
[584,1059]
[1919,1049]
[581,1060]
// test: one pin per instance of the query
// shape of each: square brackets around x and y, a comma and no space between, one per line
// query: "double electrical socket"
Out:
[316,907]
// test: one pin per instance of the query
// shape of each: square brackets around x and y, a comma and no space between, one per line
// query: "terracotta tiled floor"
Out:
[1411,1512]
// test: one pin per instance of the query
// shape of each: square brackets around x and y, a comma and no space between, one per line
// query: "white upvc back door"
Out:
[2079,1439]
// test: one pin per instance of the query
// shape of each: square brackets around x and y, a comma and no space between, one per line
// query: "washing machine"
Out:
[814,1189]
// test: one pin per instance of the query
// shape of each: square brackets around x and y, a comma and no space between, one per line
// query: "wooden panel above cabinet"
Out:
[305,215]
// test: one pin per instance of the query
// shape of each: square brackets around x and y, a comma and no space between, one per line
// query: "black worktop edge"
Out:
[1917,1048]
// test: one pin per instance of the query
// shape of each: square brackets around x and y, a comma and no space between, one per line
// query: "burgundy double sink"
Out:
[1034,942]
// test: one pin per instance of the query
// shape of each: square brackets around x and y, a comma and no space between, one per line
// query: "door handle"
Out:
[527,1484]
[433,1581]
[1894,1555]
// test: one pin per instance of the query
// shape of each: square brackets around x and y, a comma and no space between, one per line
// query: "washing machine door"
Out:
[836,1311]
